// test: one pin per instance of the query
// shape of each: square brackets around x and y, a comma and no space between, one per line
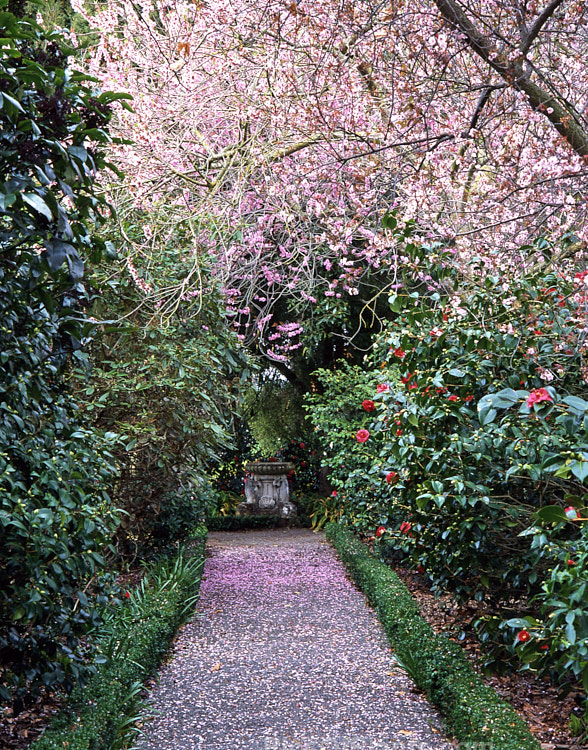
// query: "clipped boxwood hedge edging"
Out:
[242,523]
[94,714]
[473,711]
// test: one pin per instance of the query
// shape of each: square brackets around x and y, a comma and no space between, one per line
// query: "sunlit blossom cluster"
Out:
[286,132]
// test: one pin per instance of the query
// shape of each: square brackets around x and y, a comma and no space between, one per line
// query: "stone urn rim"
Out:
[269,467]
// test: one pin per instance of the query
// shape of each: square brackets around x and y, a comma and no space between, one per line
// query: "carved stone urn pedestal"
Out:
[267,491]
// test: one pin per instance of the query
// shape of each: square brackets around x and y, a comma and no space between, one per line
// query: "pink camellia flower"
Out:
[368,405]
[383,388]
[390,476]
[405,527]
[362,435]
[380,530]
[334,493]
[524,636]
[537,396]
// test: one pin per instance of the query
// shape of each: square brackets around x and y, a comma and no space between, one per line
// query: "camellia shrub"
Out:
[341,414]
[449,475]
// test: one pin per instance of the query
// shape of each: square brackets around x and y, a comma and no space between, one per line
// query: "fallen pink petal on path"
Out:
[283,654]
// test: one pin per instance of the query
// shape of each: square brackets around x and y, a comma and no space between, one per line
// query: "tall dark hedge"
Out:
[55,519]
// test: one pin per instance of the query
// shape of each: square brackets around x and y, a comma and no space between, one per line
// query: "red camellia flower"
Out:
[362,435]
[420,569]
[524,636]
[302,446]
[544,647]
[453,397]
[405,379]
[467,399]
[405,527]
[571,512]
[383,388]
[368,405]
[537,396]
[398,433]
[399,353]
[380,530]
[571,563]
[127,595]
[390,476]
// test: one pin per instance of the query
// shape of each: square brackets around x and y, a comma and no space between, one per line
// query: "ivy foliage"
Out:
[55,518]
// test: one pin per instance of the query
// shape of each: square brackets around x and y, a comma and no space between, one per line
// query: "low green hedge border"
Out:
[96,714]
[242,523]
[473,711]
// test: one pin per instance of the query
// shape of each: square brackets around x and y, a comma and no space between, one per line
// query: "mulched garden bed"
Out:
[537,701]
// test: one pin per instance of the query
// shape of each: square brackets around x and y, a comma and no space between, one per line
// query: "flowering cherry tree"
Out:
[282,133]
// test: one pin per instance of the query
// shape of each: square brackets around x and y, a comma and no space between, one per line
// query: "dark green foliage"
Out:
[274,412]
[55,519]
[134,643]
[305,477]
[167,381]
[180,512]
[473,711]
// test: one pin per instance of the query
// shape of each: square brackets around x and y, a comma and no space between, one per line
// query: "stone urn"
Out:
[267,492]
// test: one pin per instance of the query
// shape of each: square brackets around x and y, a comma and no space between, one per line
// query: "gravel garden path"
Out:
[284,654]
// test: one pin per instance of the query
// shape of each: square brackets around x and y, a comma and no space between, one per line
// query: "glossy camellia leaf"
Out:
[551,514]
[578,405]
[580,469]
[36,202]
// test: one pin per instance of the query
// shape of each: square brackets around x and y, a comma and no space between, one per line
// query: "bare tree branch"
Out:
[482,100]
[540,21]
[563,119]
